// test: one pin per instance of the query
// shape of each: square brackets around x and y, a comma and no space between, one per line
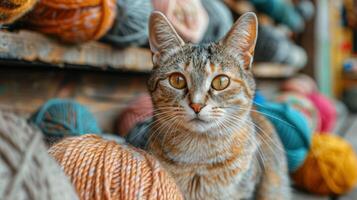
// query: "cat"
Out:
[205,129]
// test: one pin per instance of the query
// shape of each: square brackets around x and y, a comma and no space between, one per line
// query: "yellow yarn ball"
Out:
[330,167]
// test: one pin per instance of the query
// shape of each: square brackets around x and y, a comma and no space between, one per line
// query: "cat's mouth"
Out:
[198,120]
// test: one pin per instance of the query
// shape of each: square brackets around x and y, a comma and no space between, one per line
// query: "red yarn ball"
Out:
[137,111]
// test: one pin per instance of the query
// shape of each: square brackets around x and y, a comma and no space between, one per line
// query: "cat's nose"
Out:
[196,107]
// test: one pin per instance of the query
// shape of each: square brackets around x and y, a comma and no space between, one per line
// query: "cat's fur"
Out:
[227,150]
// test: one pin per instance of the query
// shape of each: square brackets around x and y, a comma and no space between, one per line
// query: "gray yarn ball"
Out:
[220,20]
[130,27]
[26,170]
[139,135]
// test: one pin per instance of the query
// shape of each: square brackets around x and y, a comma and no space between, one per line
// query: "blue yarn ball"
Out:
[58,118]
[292,129]
[282,12]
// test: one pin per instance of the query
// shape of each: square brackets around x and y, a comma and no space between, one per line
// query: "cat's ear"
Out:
[162,36]
[242,37]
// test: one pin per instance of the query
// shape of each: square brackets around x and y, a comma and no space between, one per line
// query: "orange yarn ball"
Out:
[330,167]
[73,21]
[102,169]
[11,10]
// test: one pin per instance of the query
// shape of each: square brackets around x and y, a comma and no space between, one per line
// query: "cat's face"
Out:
[201,87]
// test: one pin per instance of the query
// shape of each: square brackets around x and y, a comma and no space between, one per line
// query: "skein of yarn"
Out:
[73,21]
[27,171]
[330,167]
[292,129]
[220,20]
[187,16]
[139,110]
[101,169]
[326,109]
[130,27]
[59,118]
[11,10]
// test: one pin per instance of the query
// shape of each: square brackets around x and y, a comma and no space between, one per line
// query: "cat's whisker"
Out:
[266,142]
[258,127]
[253,141]
[264,114]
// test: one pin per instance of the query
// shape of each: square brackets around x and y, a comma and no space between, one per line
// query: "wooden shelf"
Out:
[273,70]
[27,47]
[35,47]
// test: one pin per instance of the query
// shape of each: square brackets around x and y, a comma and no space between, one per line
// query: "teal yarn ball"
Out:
[58,118]
[292,129]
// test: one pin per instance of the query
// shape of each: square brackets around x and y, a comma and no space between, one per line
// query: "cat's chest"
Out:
[204,182]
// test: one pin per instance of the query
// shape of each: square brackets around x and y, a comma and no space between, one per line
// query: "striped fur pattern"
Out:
[227,150]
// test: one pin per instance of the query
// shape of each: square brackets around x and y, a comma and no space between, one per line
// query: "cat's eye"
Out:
[220,82]
[177,81]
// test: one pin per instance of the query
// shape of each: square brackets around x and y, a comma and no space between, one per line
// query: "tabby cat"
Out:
[205,130]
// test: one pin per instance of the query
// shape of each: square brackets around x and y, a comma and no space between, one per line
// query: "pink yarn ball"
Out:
[326,109]
[189,17]
[137,111]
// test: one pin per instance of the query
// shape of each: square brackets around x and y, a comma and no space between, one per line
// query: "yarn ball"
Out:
[73,21]
[301,84]
[274,46]
[292,129]
[11,10]
[188,17]
[259,98]
[306,9]
[59,118]
[282,12]
[26,170]
[130,26]
[220,20]
[326,109]
[304,106]
[102,169]
[330,167]
[137,111]
[139,135]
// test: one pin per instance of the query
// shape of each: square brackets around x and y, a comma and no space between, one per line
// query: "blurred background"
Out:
[95,53]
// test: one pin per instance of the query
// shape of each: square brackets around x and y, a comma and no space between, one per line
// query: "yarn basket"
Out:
[188,17]
[59,118]
[11,10]
[73,21]
[220,20]
[304,105]
[330,167]
[292,129]
[101,169]
[130,27]
[138,110]
[27,171]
